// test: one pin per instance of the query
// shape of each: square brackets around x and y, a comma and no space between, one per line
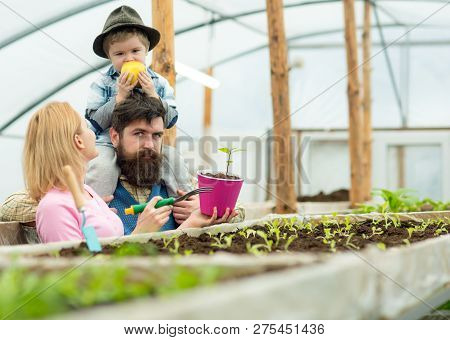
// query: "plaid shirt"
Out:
[102,99]
[139,194]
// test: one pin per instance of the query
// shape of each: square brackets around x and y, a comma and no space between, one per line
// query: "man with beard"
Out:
[149,168]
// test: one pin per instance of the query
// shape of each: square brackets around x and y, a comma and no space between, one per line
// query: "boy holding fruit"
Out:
[125,41]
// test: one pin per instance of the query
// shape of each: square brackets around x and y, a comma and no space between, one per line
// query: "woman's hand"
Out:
[108,199]
[198,220]
[152,219]
[124,87]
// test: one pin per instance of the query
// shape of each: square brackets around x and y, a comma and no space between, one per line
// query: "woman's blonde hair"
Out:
[49,145]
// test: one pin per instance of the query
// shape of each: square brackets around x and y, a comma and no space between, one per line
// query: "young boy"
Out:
[124,38]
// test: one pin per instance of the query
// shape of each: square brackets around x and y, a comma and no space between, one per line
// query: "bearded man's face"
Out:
[139,152]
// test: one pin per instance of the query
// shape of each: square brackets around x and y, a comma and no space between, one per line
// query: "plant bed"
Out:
[370,284]
[293,234]
[264,284]
[36,287]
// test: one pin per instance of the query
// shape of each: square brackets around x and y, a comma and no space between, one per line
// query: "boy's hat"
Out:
[122,17]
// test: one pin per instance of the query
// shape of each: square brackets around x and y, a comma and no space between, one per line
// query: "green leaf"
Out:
[381,246]
[226,150]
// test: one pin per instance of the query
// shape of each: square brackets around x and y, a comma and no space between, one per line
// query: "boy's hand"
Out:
[147,84]
[124,87]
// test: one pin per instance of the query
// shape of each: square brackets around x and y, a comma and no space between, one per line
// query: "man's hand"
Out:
[198,220]
[152,219]
[147,84]
[182,210]
[124,87]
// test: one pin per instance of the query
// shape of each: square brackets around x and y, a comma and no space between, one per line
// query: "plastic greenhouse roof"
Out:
[47,47]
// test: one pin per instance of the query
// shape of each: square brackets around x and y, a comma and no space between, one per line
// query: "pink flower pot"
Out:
[224,194]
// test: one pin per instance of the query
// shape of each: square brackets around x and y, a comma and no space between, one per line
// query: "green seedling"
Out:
[176,246]
[328,234]
[227,240]
[396,221]
[410,232]
[268,243]
[289,241]
[441,230]
[347,223]
[255,249]
[188,252]
[326,221]
[309,226]
[249,232]
[229,152]
[381,246]
[167,241]
[406,242]
[289,223]
[376,231]
[348,244]
[332,246]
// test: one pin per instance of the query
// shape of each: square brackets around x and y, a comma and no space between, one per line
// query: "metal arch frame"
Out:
[51,21]
[210,22]
[50,93]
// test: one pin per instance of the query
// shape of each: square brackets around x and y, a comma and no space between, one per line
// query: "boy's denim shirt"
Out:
[102,99]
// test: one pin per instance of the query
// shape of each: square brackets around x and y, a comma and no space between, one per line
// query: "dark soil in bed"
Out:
[316,239]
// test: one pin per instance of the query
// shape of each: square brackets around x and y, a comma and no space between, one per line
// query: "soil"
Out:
[220,175]
[335,196]
[306,241]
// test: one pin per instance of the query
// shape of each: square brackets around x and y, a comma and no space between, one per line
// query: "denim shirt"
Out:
[102,99]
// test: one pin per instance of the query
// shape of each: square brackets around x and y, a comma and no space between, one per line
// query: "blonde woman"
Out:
[58,136]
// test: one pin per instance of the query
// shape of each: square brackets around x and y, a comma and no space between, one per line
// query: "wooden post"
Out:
[207,107]
[355,116]
[367,105]
[163,59]
[283,157]
[207,121]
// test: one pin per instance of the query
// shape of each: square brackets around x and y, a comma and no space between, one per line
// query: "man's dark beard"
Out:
[142,169]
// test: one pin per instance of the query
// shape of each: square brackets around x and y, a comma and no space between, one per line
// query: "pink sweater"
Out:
[57,218]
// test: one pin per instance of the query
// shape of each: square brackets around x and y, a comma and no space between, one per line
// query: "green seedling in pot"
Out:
[229,152]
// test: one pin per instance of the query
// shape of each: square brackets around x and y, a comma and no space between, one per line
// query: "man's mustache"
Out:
[144,153]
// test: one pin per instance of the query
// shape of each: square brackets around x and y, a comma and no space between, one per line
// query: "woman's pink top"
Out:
[58,219]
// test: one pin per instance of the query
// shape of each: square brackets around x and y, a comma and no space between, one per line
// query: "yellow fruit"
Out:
[133,68]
